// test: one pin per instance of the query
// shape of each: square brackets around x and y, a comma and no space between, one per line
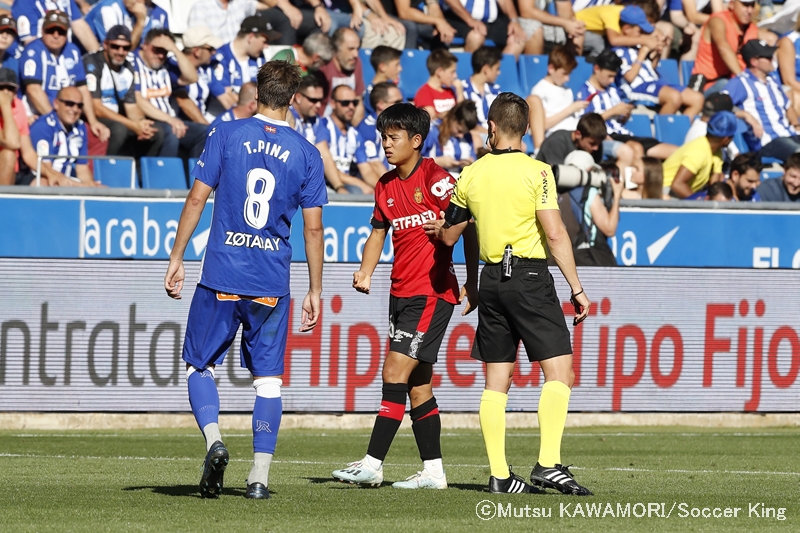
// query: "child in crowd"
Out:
[440,93]
[552,104]
[450,144]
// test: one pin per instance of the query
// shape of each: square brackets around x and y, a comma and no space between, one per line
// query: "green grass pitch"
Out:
[146,480]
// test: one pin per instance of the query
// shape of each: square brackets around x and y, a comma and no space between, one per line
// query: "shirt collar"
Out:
[261,117]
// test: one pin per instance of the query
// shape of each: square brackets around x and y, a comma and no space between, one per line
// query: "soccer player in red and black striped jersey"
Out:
[423,294]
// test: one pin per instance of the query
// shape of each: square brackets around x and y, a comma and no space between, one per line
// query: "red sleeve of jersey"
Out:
[379,220]
[424,96]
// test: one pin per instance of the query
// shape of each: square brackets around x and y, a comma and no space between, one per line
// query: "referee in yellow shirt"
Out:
[512,199]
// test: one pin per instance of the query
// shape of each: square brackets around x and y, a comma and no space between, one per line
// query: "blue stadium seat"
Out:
[686,70]
[508,80]
[671,128]
[163,173]
[531,70]
[581,73]
[114,173]
[738,139]
[668,71]
[415,72]
[770,174]
[366,67]
[528,140]
[639,125]
[192,164]
[464,67]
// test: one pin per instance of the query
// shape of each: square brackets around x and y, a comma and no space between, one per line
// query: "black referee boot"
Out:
[513,484]
[558,477]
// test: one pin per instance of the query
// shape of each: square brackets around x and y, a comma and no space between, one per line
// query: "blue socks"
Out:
[267,413]
[204,399]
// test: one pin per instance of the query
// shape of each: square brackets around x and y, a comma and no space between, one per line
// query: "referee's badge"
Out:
[418,195]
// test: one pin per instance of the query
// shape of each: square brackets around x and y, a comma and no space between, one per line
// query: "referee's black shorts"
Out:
[524,307]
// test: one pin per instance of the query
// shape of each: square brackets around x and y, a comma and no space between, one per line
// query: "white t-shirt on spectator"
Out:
[224,23]
[555,99]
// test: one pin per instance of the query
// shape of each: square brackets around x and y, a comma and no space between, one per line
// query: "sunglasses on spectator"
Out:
[70,103]
[159,51]
[57,31]
[347,103]
[312,100]
[125,47]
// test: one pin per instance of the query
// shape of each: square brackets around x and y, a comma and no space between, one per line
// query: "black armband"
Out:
[456,215]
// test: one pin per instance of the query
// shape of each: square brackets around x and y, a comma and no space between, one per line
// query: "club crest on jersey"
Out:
[270,129]
[418,195]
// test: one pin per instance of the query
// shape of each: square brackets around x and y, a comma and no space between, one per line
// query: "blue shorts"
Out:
[214,319]
[647,93]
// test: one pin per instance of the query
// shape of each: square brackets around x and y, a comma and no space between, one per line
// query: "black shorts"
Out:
[417,326]
[496,31]
[524,307]
[646,142]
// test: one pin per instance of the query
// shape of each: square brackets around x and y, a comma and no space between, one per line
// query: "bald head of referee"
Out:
[508,120]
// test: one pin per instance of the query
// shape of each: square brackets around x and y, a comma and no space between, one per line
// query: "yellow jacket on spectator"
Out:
[698,159]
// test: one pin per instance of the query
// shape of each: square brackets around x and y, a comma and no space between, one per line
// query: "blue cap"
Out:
[722,124]
[634,15]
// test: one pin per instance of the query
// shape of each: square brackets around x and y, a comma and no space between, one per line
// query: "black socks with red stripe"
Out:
[427,426]
[393,407]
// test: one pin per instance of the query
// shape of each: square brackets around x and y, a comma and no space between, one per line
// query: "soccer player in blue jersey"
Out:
[262,171]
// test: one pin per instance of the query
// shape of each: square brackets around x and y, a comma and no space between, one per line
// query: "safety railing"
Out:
[53,157]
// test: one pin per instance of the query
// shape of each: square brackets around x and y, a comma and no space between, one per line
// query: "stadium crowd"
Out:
[85,78]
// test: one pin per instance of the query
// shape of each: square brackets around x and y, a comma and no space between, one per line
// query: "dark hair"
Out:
[562,57]
[653,186]
[383,54]
[745,161]
[509,112]
[338,36]
[485,56]
[309,82]
[592,126]
[650,8]
[464,112]
[793,161]
[380,93]
[406,117]
[720,187]
[155,32]
[440,58]
[608,60]
[277,83]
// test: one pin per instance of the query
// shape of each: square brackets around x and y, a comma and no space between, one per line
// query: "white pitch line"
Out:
[297,462]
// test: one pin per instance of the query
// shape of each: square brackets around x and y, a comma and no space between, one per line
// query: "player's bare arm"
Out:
[561,247]
[190,216]
[314,239]
[471,256]
[372,254]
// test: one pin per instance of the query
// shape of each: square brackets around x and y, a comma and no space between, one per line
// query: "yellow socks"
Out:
[553,406]
[493,426]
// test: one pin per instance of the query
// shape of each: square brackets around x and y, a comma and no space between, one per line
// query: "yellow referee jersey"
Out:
[503,191]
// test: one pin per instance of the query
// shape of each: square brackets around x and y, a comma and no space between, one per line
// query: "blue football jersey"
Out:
[49,136]
[262,171]
[29,14]
[40,65]
[106,14]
